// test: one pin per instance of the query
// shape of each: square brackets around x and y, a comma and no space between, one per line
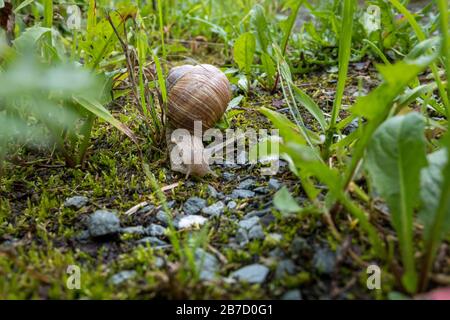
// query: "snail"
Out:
[195,93]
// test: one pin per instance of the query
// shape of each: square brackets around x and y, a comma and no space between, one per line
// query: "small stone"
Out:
[285,267]
[324,261]
[122,276]
[163,217]
[214,209]
[155,230]
[261,190]
[292,295]
[242,194]
[138,230]
[242,237]
[212,191]
[274,184]
[248,223]
[153,242]
[351,127]
[246,184]
[146,209]
[232,205]
[257,213]
[207,264]
[228,176]
[102,223]
[190,221]
[256,233]
[193,205]
[76,202]
[255,273]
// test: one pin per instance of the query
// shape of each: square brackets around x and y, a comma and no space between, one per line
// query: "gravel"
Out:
[292,295]
[256,233]
[214,209]
[155,230]
[242,237]
[324,261]
[138,230]
[190,221]
[274,184]
[162,217]
[232,205]
[248,223]
[242,194]
[285,267]
[153,242]
[207,264]
[246,184]
[212,191]
[255,273]
[102,223]
[76,202]
[122,276]
[194,205]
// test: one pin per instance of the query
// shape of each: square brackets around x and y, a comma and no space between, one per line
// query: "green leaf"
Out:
[310,105]
[97,108]
[431,191]
[29,38]
[20,6]
[284,202]
[290,24]
[269,67]
[2,4]
[259,22]
[395,156]
[244,50]
[288,130]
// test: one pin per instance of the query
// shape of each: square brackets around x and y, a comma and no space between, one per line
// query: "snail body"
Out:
[195,93]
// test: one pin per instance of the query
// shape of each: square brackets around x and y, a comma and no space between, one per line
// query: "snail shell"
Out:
[196,93]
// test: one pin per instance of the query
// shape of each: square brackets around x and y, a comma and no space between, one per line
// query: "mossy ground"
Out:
[38,235]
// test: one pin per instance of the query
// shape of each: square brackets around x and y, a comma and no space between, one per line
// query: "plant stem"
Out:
[345,43]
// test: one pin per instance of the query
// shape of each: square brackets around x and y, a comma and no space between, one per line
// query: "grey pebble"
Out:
[254,273]
[207,264]
[138,230]
[292,295]
[285,267]
[324,261]
[153,242]
[155,230]
[215,209]
[232,205]
[76,202]
[242,194]
[256,233]
[123,276]
[246,184]
[194,205]
[248,223]
[102,223]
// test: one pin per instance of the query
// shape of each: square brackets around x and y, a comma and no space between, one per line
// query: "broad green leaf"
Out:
[29,38]
[431,191]
[284,202]
[244,50]
[259,22]
[435,211]
[2,4]
[269,67]
[395,157]
[96,108]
